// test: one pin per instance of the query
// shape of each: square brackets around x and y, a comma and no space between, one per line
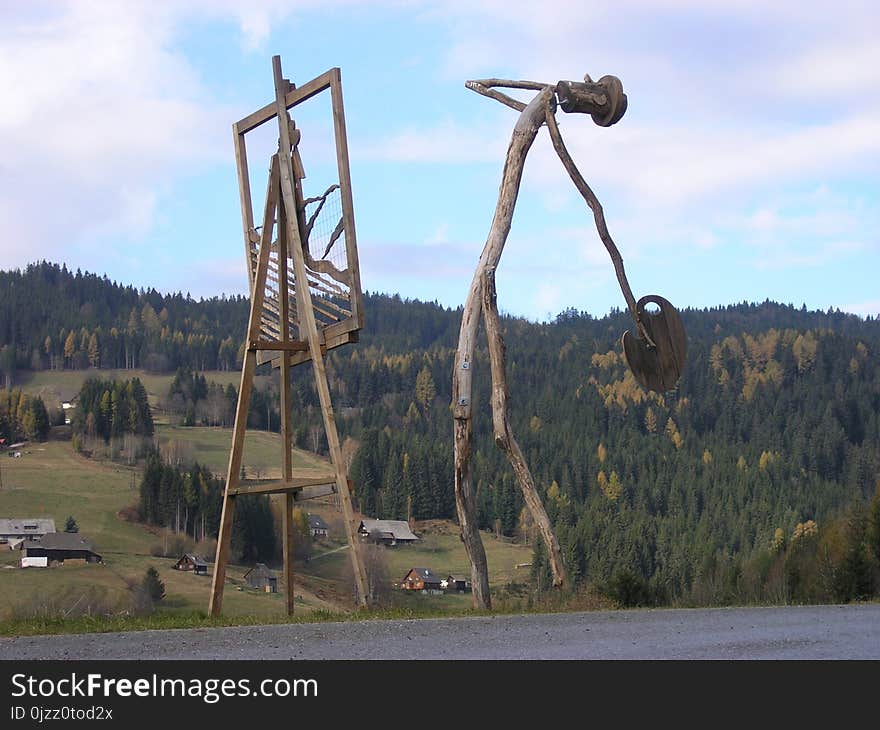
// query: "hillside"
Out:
[775,423]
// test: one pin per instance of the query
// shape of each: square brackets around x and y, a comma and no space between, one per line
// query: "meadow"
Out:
[52,480]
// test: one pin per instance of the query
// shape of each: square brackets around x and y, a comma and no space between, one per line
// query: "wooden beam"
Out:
[324,487]
[308,323]
[281,486]
[286,436]
[342,166]
[244,397]
[289,346]
[244,193]
[291,98]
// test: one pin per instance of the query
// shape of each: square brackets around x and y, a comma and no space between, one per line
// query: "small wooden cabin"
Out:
[192,562]
[261,578]
[421,579]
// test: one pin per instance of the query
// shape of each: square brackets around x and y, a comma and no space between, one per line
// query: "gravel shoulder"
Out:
[802,632]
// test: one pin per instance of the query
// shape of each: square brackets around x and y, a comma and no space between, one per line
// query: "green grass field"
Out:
[55,386]
[51,480]
[441,550]
[261,456]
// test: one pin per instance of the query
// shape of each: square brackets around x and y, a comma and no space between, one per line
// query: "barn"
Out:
[59,547]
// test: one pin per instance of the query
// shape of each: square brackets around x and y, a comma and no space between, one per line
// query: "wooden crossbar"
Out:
[283,486]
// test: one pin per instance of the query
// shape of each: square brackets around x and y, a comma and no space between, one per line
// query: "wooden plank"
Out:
[287,548]
[244,194]
[342,165]
[307,322]
[286,437]
[289,346]
[244,397]
[224,546]
[281,486]
[291,98]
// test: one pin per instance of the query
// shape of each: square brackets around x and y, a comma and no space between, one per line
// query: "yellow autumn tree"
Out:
[777,544]
[804,351]
[610,486]
[650,421]
[673,434]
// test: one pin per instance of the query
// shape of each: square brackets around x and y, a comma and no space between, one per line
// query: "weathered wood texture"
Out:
[527,126]
[286,430]
[606,103]
[657,368]
[504,438]
[594,205]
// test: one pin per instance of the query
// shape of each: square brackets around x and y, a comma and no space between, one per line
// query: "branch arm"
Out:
[486,87]
[599,217]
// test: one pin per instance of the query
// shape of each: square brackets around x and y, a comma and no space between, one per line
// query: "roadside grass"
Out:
[199,620]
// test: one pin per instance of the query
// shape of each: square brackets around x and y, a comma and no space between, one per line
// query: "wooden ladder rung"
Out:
[281,486]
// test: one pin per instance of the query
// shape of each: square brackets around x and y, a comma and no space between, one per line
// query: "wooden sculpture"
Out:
[655,354]
[305,299]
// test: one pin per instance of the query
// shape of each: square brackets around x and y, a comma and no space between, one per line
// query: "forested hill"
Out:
[774,428]
[51,317]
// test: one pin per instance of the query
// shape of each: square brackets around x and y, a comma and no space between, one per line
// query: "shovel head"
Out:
[657,368]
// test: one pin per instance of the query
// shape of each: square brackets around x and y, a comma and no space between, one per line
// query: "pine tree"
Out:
[152,584]
[70,525]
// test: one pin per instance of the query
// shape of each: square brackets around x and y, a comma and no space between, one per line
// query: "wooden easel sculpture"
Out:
[655,356]
[295,316]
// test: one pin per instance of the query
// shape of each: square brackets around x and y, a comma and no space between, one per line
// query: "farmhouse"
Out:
[318,527]
[59,547]
[388,532]
[193,563]
[25,529]
[261,578]
[421,579]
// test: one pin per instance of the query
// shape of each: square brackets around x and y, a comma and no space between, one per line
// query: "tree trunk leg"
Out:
[466,507]
[504,438]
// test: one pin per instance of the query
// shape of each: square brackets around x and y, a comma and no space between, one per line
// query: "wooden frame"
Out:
[274,317]
[346,329]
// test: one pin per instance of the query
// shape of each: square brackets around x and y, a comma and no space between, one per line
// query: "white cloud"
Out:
[832,74]
[870,308]
[101,112]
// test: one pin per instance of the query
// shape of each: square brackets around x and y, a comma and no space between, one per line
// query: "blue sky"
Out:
[747,165]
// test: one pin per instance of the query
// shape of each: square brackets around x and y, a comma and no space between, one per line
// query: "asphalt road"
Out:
[811,632]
